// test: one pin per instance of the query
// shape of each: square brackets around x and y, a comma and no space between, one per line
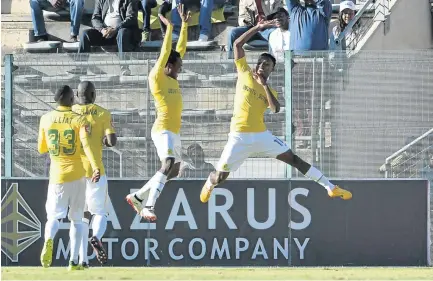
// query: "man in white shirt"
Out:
[279,39]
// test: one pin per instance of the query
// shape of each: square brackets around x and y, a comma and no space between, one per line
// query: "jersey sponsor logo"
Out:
[255,94]
[14,239]
[173,91]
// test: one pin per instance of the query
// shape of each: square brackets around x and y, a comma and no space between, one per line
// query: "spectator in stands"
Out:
[250,13]
[309,24]
[205,17]
[75,9]
[196,167]
[279,39]
[347,13]
[114,22]
[147,6]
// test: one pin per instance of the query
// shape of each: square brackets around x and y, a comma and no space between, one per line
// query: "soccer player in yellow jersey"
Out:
[63,134]
[165,132]
[103,133]
[248,133]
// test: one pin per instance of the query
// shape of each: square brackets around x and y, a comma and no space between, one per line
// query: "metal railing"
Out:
[404,149]
[343,110]
[362,21]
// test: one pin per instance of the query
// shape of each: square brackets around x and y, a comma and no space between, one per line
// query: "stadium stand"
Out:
[208,86]
[133,115]
[223,18]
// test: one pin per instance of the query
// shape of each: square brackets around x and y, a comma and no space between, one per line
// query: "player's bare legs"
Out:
[314,174]
[214,179]
[150,192]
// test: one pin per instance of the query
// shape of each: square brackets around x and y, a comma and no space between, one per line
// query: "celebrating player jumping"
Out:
[96,193]
[248,134]
[165,132]
[63,133]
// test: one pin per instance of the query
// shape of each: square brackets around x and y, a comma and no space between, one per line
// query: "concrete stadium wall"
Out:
[410,28]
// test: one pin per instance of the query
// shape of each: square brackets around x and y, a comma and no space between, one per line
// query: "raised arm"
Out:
[166,45]
[183,38]
[244,38]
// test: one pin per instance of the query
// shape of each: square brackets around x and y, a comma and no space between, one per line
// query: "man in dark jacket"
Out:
[309,24]
[114,22]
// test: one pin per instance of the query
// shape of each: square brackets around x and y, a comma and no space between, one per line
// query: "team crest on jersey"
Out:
[88,128]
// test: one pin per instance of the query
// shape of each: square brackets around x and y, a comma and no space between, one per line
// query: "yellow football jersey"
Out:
[64,133]
[250,101]
[100,122]
[166,90]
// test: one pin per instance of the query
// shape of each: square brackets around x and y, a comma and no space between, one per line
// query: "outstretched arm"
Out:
[244,38]
[183,38]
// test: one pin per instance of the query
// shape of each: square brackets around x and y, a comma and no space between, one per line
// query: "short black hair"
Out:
[193,147]
[86,91]
[282,10]
[173,56]
[60,93]
[267,56]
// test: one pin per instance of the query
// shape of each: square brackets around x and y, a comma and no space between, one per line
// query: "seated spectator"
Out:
[250,13]
[205,17]
[279,39]
[147,6]
[309,24]
[196,167]
[114,22]
[347,13]
[75,8]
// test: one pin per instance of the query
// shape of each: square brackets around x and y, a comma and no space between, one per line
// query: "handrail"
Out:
[403,149]
[358,15]
[385,4]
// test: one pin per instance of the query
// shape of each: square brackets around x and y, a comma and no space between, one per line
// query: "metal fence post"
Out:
[288,104]
[8,63]
[148,129]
